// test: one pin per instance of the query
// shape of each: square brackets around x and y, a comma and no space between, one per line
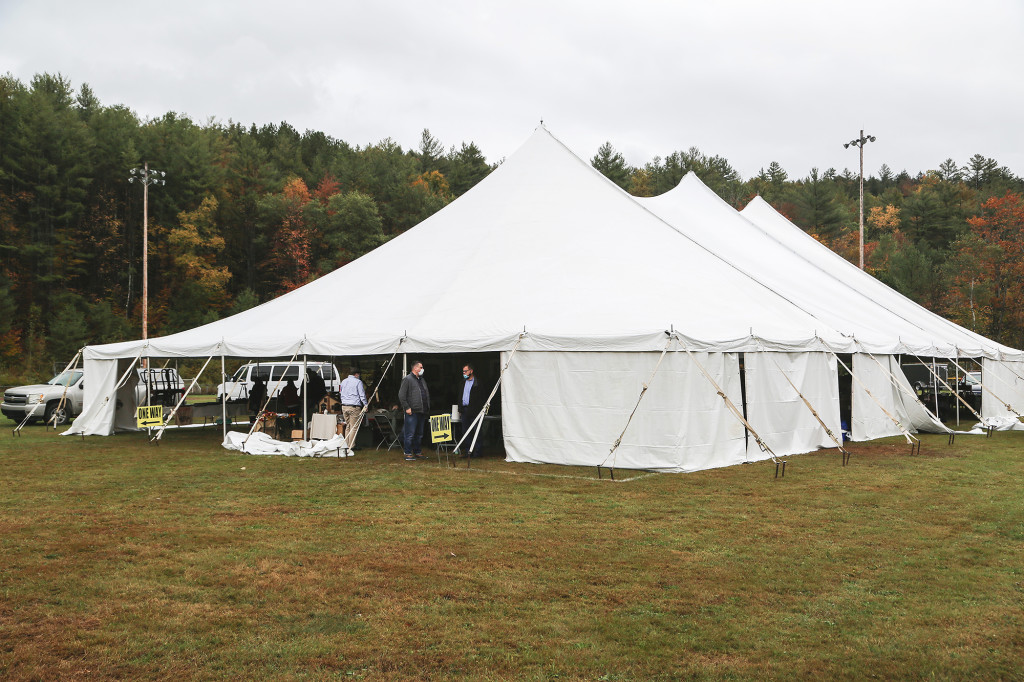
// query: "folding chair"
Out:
[386,429]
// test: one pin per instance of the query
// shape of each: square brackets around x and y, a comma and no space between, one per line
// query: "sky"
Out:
[754,81]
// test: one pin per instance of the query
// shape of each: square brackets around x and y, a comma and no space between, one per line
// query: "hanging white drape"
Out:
[776,411]
[106,411]
[869,421]
[568,408]
[1006,386]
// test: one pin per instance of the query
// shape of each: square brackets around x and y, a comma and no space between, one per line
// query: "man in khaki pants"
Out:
[353,397]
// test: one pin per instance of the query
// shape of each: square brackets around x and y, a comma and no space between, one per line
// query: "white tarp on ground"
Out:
[869,421]
[260,443]
[1002,384]
[568,408]
[776,411]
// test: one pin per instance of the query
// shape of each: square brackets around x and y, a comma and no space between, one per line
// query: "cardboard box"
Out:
[296,434]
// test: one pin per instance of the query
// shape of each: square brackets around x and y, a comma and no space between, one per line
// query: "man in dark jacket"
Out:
[471,402]
[415,400]
[314,389]
[257,396]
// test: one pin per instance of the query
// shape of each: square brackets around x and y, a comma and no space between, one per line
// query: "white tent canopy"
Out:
[875,316]
[544,244]
[833,271]
[547,245]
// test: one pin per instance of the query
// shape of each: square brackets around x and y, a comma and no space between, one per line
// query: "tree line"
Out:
[247,213]
[251,212]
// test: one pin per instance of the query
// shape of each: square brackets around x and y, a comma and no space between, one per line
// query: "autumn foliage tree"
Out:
[987,271]
[290,261]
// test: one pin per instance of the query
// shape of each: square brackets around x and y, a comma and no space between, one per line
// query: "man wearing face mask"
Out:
[415,400]
[471,402]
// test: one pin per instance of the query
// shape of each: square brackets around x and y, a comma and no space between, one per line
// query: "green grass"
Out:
[183,560]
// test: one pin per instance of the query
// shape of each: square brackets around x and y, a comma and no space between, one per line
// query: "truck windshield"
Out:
[68,378]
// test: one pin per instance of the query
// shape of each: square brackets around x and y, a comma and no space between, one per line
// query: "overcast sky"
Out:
[751,80]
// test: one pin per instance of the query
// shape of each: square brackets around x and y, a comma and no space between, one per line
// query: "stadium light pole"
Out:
[860,142]
[147,176]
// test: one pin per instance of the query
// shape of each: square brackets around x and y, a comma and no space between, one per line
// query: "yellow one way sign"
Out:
[149,415]
[441,428]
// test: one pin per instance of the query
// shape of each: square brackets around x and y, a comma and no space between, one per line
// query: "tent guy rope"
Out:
[911,439]
[985,388]
[31,413]
[839,444]
[950,388]
[270,393]
[159,434]
[67,385]
[373,395]
[474,426]
[736,411]
[894,380]
[643,391]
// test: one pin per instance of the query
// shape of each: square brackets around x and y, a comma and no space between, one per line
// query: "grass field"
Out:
[123,560]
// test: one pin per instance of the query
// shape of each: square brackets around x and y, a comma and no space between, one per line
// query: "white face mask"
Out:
[421,371]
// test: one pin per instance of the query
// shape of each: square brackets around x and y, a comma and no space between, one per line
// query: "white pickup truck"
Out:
[43,401]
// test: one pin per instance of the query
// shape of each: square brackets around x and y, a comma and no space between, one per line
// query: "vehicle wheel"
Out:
[52,411]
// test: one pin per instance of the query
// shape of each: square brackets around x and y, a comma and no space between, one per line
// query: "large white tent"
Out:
[598,294]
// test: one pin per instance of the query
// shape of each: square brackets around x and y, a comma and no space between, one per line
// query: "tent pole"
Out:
[405,364]
[148,373]
[957,370]
[305,396]
[223,399]
[935,386]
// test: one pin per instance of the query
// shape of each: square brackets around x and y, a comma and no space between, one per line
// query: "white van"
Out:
[276,375]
